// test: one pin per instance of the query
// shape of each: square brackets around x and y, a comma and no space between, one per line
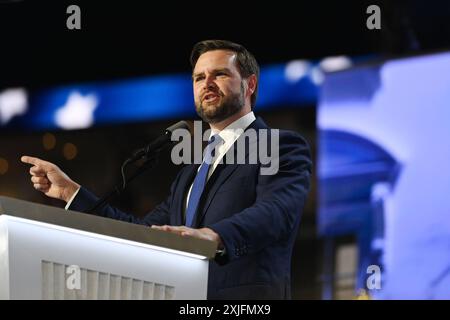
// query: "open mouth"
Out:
[210,97]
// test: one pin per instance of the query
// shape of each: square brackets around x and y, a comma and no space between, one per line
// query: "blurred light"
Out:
[3,166]
[77,112]
[317,76]
[161,97]
[70,151]
[13,102]
[49,141]
[296,69]
[380,191]
[331,64]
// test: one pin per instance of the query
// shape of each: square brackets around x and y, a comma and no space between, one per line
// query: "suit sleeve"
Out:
[158,216]
[277,209]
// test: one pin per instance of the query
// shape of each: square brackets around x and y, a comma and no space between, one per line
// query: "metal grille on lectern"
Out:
[96,285]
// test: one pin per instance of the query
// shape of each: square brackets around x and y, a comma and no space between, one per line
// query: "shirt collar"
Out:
[235,129]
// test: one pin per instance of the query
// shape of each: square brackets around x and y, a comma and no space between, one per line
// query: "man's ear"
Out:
[251,83]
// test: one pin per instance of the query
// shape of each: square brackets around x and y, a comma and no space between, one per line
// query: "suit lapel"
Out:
[220,175]
[184,184]
[224,170]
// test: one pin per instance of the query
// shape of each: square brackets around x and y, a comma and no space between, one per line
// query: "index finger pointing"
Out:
[32,160]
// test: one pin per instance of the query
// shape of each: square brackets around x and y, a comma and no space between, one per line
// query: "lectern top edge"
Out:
[105,226]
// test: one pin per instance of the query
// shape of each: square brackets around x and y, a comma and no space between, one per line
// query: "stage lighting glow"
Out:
[338,63]
[297,69]
[317,76]
[13,102]
[70,151]
[77,112]
[49,141]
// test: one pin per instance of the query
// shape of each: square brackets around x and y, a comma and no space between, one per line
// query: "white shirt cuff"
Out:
[71,199]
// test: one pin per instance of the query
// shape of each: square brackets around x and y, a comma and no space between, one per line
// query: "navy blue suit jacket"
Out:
[257,217]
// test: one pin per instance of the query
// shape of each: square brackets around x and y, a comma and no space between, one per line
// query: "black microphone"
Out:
[159,142]
[147,152]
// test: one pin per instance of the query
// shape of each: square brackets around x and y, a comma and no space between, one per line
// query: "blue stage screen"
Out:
[384,174]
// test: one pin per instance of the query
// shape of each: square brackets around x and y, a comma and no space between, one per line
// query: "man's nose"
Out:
[209,82]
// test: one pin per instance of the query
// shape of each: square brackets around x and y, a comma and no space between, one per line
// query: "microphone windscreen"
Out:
[179,125]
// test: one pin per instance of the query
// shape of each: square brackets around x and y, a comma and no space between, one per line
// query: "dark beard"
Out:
[229,106]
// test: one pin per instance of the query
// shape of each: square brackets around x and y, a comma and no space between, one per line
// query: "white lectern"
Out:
[50,253]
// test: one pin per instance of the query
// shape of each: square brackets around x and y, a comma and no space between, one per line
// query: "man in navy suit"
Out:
[253,217]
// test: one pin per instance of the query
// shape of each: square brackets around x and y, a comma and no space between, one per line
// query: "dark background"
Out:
[137,37]
[130,38]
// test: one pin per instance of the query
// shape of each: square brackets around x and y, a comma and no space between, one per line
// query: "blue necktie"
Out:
[200,180]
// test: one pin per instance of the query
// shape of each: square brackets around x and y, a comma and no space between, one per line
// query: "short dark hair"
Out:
[246,62]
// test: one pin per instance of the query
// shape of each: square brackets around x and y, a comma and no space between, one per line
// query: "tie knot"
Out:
[213,139]
[210,151]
